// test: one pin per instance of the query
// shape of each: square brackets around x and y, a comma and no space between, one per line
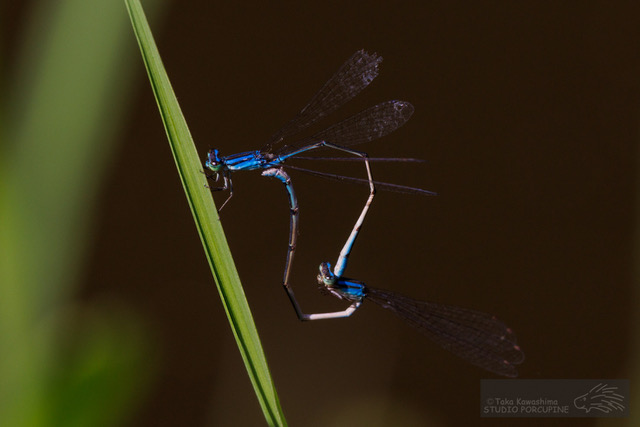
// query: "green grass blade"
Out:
[207,221]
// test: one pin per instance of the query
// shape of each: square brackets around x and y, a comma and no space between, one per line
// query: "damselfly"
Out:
[480,338]
[282,176]
[373,123]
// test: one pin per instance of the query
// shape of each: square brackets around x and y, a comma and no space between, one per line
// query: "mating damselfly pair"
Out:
[477,337]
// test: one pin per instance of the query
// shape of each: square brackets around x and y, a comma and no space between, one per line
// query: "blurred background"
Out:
[528,116]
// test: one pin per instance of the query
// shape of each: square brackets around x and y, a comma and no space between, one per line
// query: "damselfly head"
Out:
[325,276]
[214,162]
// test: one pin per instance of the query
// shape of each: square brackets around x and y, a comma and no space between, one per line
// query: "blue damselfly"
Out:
[373,123]
[477,337]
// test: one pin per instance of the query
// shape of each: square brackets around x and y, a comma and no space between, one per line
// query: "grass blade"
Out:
[207,221]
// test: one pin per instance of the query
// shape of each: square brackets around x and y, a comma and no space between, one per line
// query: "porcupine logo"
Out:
[601,398]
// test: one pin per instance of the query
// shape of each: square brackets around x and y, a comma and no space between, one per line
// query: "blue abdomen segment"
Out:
[351,290]
[250,160]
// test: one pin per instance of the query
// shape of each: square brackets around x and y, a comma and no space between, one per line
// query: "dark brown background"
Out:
[528,117]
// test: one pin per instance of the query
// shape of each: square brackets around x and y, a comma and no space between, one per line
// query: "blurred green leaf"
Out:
[61,114]
[104,364]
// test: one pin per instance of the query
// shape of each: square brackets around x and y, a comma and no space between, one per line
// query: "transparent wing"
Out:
[372,123]
[477,337]
[385,186]
[360,159]
[352,77]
